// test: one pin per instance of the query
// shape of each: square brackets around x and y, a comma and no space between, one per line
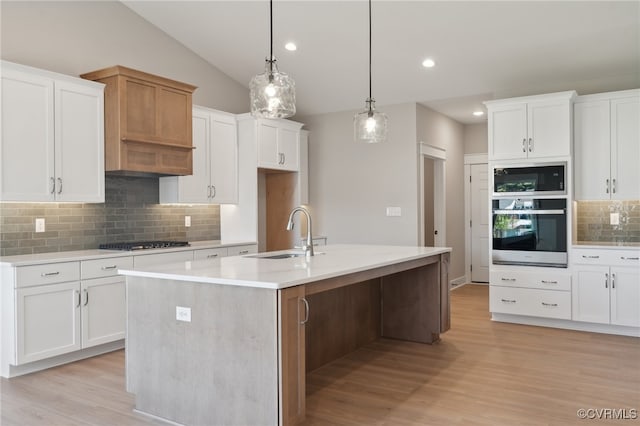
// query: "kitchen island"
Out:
[229,341]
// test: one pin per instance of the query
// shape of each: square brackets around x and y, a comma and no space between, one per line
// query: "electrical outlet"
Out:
[394,211]
[183,314]
[40,224]
[187,221]
[614,219]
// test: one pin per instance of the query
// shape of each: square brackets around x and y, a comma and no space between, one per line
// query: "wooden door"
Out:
[291,319]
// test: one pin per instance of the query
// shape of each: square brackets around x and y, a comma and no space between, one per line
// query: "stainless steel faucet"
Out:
[308,247]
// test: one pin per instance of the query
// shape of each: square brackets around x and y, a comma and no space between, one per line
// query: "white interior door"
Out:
[479,223]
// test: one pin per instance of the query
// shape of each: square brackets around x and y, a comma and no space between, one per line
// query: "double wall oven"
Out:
[529,215]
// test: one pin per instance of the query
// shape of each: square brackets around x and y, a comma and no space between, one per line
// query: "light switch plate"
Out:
[614,219]
[40,224]
[183,314]
[187,221]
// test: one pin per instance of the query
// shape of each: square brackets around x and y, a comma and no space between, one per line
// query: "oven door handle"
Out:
[558,211]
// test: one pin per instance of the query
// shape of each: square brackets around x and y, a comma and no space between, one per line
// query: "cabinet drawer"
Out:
[104,267]
[162,258]
[532,302]
[212,253]
[242,250]
[552,280]
[27,276]
[606,257]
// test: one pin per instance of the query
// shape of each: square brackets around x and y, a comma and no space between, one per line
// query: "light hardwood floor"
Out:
[480,373]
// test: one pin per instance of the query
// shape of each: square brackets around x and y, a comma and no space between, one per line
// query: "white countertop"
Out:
[607,245]
[70,256]
[330,261]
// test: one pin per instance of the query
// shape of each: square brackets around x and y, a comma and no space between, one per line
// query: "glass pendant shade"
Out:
[369,125]
[273,93]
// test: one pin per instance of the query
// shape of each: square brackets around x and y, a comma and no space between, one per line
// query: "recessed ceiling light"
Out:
[291,46]
[478,113]
[428,63]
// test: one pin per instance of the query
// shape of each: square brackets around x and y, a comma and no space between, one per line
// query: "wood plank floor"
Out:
[481,373]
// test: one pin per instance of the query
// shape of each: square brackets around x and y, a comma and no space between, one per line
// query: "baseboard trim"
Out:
[458,282]
[567,324]
[43,364]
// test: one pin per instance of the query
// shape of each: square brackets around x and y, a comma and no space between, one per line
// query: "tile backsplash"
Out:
[130,213]
[593,221]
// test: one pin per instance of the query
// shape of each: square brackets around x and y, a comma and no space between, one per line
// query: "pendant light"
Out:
[370,126]
[273,93]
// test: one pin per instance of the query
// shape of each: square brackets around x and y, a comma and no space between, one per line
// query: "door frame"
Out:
[469,159]
[439,156]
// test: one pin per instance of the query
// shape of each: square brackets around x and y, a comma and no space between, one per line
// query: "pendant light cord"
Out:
[271,35]
[369,53]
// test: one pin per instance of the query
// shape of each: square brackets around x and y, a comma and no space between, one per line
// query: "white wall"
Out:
[476,139]
[351,184]
[76,37]
[438,130]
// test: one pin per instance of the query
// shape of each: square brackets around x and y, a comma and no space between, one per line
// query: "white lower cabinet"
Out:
[242,250]
[538,293]
[103,310]
[607,295]
[48,321]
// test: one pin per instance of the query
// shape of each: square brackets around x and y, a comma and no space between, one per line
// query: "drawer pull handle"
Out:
[106,268]
[549,282]
[49,274]
[629,258]
[508,279]
[79,297]
[211,256]
[606,280]
[549,305]
[306,311]
[508,300]
[243,252]
[590,257]
[613,280]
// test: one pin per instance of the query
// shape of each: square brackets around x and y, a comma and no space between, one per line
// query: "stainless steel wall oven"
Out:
[530,231]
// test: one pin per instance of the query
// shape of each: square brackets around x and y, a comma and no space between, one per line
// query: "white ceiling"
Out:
[483,50]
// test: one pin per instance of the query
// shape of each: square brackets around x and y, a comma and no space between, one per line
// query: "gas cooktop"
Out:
[143,245]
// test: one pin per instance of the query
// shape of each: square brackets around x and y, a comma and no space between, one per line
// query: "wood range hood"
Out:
[147,123]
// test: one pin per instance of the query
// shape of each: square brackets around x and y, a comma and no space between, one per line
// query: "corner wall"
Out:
[436,129]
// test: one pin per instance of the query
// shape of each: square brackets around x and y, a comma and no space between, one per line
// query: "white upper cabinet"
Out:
[215,162]
[607,146]
[54,124]
[530,127]
[278,144]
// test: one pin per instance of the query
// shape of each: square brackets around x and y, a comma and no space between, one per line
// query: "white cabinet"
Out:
[65,307]
[607,146]
[539,292]
[48,321]
[215,162]
[530,127]
[55,124]
[607,287]
[278,144]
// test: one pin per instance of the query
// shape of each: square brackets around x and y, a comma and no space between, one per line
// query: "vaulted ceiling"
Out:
[483,50]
